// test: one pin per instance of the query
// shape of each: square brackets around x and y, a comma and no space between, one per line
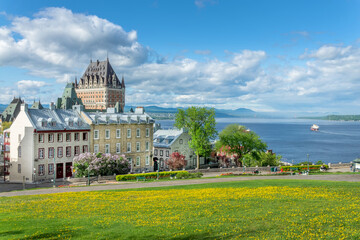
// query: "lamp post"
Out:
[54,185]
[308,162]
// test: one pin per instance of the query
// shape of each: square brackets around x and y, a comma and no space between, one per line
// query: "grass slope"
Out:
[260,209]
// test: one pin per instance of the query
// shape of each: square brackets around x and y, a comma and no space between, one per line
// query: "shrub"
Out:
[301,168]
[176,161]
[152,175]
[100,164]
[181,175]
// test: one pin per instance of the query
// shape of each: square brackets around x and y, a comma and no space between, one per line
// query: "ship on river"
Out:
[314,127]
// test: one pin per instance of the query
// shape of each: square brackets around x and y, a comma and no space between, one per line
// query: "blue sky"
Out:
[292,56]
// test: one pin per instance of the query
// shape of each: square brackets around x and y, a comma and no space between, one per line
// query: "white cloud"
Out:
[57,44]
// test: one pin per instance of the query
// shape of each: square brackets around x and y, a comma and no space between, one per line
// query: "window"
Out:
[68,151]
[41,153]
[85,148]
[44,124]
[59,137]
[85,136]
[41,138]
[59,152]
[51,152]
[129,133]
[96,148]
[118,133]
[137,161]
[146,146]
[51,137]
[51,168]
[76,150]
[41,171]
[96,134]
[138,132]
[128,149]
[19,151]
[118,149]
[138,147]
[147,162]
[68,137]
[181,141]
[147,132]
[161,152]
[167,153]
[19,168]
[107,148]
[77,136]
[155,152]
[107,134]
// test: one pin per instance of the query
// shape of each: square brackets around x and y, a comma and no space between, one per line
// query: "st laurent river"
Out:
[335,142]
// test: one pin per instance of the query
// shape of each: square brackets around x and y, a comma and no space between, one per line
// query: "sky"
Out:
[268,56]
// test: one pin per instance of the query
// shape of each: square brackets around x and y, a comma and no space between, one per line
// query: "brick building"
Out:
[100,88]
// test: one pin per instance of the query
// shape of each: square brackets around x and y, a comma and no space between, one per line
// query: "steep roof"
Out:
[12,110]
[119,118]
[69,98]
[101,72]
[165,138]
[37,105]
[57,119]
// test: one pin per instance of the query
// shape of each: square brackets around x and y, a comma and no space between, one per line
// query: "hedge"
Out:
[302,168]
[151,175]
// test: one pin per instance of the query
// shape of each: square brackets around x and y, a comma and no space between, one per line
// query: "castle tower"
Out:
[99,87]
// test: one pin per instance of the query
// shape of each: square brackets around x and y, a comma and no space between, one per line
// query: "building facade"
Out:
[43,143]
[69,98]
[130,134]
[173,140]
[99,87]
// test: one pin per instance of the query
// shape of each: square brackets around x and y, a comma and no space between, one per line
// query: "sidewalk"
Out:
[133,185]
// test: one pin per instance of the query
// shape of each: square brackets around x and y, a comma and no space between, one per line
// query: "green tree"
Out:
[268,158]
[200,122]
[5,125]
[246,144]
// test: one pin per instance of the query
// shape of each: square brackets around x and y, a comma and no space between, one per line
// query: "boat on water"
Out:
[314,127]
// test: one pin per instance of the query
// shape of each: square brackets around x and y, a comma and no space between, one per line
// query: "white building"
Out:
[43,143]
[173,140]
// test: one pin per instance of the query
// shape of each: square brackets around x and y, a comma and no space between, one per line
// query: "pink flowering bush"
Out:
[176,161]
[100,164]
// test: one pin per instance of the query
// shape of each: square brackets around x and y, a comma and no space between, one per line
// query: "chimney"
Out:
[24,107]
[52,106]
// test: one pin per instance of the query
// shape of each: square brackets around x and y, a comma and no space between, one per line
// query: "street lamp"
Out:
[54,185]
[308,162]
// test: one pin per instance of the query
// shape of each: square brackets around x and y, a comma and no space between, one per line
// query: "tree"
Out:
[176,161]
[236,139]
[269,158]
[100,164]
[5,125]
[200,122]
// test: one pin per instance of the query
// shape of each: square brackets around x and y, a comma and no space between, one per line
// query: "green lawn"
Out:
[258,209]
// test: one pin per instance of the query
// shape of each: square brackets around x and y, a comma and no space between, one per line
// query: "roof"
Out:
[165,138]
[57,119]
[12,110]
[37,105]
[119,118]
[101,73]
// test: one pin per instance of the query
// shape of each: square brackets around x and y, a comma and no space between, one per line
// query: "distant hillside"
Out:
[336,117]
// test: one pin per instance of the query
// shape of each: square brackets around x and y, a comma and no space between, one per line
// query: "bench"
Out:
[140,178]
[172,176]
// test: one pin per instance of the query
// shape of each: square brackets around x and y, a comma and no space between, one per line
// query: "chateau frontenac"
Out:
[99,87]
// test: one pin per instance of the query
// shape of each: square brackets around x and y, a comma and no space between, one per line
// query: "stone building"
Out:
[43,143]
[123,133]
[173,140]
[100,88]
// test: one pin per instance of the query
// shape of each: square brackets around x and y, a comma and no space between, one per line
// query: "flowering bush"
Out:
[176,161]
[100,164]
